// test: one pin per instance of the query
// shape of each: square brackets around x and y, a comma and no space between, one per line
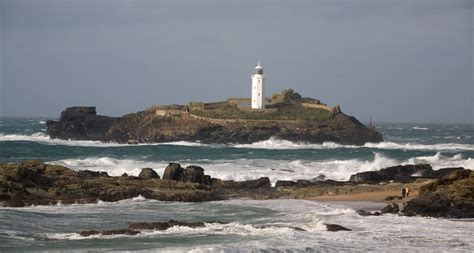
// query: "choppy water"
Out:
[52,228]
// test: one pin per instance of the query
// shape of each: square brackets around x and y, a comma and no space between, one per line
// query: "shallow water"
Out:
[53,228]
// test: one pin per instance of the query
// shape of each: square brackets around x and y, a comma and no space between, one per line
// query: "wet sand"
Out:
[373,196]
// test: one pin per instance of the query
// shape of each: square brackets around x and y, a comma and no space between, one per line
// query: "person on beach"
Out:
[405,192]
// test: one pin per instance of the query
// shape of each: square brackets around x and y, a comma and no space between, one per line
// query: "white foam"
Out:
[275,143]
[272,143]
[114,167]
[420,128]
[248,169]
[417,146]
[232,228]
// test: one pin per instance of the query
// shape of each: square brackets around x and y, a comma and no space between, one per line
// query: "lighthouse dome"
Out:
[259,69]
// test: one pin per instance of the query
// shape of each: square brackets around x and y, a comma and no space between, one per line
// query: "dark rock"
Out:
[319,178]
[263,182]
[164,225]
[279,226]
[173,171]
[451,196]
[124,175]
[391,208]
[400,173]
[193,174]
[303,183]
[109,232]
[282,183]
[24,184]
[207,180]
[148,173]
[80,123]
[367,213]
[335,228]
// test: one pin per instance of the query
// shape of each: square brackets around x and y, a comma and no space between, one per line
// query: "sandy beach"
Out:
[372,193]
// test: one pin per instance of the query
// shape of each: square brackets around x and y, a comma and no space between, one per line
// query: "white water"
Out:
[272,143]
[383,233]
[247,169]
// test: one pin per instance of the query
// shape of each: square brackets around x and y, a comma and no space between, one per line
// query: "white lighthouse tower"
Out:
[258,97]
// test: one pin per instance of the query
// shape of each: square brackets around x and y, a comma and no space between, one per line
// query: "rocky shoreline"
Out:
[447,192]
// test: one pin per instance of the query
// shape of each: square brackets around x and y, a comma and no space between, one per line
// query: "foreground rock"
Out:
[452,196]
[289,117]
[35,183]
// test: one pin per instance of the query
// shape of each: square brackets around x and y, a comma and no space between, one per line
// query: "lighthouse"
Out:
[258,88]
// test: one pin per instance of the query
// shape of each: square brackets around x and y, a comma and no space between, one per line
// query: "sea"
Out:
[54,228]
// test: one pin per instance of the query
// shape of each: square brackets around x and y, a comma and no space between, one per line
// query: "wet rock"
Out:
[391,208]
[400,173]
[148,173]
[279,226]
[335,228]
[164,225]
[303,183]
[362,212]
[284,183]
[263,182]
[193,174]
[452,196]
[109,232]
[173,171]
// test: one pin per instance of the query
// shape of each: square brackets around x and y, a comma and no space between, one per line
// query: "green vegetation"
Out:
[284,112]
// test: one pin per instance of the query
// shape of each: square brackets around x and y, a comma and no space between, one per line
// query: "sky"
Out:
[392,60]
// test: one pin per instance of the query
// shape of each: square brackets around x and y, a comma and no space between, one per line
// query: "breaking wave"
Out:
[248,169]
[272,143]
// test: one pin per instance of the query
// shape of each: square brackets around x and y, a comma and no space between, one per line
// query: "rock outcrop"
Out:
[148,173]
[391,208]
[400,173]
[336,227]
[452,196]
[36,183]
[220,122]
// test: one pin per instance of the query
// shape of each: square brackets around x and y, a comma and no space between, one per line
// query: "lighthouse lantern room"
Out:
[258,88]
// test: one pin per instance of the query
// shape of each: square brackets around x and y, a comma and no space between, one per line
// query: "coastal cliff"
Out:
[289,117]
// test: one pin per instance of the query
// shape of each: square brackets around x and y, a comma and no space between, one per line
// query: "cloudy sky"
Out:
[404,61]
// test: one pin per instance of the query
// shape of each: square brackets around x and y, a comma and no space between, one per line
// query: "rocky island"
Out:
[287,116]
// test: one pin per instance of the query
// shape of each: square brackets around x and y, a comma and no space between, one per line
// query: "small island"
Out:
[287,116]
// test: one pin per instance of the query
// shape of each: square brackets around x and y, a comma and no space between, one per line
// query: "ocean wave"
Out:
[272,143]
[41,137]
[420,128]
[275,143]
[248,169]
[232,228]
